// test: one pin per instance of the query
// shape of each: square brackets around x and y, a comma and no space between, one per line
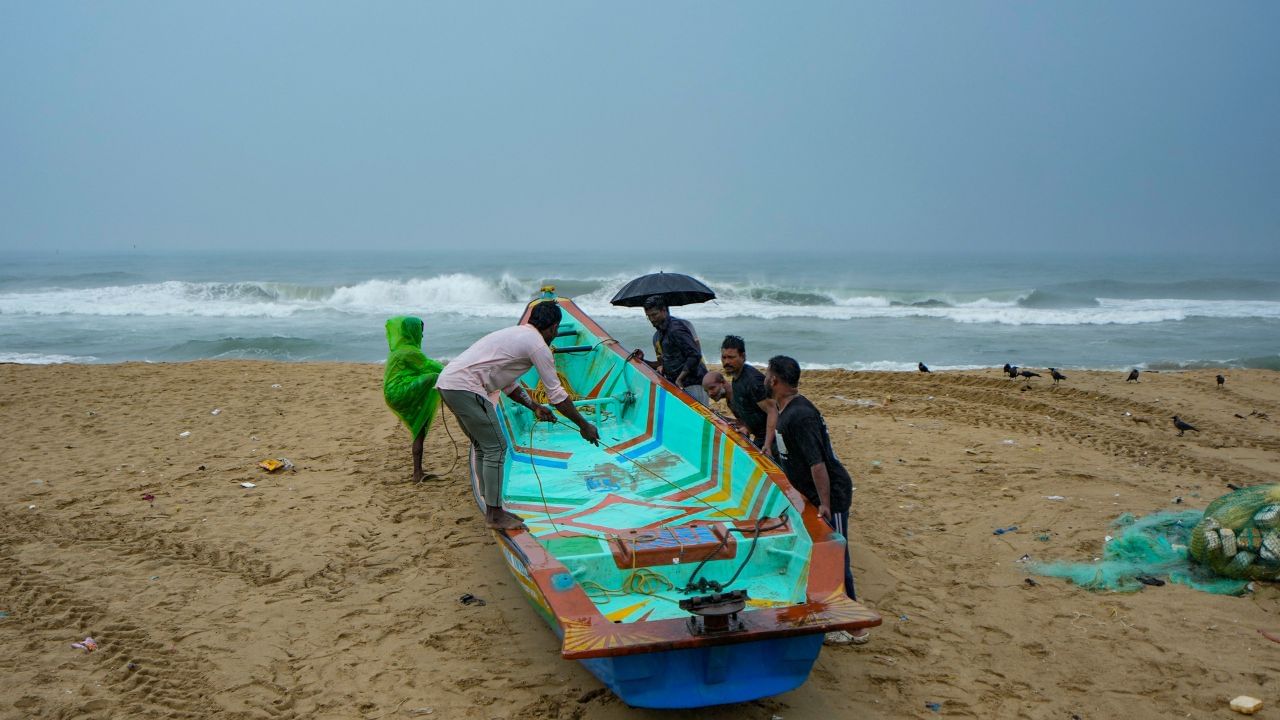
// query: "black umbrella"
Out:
[674,288]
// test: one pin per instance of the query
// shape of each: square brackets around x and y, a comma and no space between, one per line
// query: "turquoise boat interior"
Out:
[634,519]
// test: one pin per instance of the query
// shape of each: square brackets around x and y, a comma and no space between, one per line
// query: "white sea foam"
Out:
[172,298]
[468,295]
[41,359]
[884,366]
[455,292]
[1108,312]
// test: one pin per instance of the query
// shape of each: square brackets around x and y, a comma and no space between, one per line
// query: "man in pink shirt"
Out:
[496,362]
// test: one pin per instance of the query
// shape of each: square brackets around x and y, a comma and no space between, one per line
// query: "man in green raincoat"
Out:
[409,384]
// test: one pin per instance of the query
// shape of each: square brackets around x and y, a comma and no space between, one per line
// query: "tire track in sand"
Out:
[149,678]
[145,544]
[971,402]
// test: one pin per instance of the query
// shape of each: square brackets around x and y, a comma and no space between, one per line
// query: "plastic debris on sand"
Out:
[276,464]
[88,645]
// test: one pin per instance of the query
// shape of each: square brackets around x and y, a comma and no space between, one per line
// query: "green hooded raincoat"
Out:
[409,385]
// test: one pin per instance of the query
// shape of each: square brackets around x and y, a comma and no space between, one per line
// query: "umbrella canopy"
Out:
[675,288]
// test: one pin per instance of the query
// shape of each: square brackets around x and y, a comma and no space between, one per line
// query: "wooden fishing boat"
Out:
[674,560]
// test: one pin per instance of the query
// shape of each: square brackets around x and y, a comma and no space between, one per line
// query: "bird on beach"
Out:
[1011,370]
[1221,381]
[1182,425]
[1133,376]
[1028,374]
[1057,376]
[922,367]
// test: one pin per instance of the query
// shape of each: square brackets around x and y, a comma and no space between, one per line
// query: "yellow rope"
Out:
[539,393]
[640,581]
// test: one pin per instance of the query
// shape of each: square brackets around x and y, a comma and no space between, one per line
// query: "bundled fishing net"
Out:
[1142,551]
[1239,536]
[1236,539]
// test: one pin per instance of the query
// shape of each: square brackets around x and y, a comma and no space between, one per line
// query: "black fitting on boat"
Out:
[572,349]
[703,585]
[716,613]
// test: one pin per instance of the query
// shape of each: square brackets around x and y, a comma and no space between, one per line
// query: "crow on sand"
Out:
[1133,376]
[1182,426]
[922,367]
[1057,376]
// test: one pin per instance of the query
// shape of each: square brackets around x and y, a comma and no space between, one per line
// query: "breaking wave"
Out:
[468,295]
[249,348]
[43,359]
[1265,362]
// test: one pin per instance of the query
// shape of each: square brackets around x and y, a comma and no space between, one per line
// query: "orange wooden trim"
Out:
[585,639]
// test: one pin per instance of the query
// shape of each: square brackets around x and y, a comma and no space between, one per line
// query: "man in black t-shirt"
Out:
[804,448]
[748,398]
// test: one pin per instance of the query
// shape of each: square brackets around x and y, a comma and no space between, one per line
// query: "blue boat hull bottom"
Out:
[714,675]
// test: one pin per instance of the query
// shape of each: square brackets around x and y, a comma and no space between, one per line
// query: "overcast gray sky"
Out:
[576,125]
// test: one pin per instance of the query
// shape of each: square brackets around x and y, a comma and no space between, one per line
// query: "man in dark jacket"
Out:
[679,355]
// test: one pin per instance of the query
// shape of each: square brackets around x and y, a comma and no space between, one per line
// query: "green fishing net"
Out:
[409,383]
[1154,546]
[1239,536]
[1236,539]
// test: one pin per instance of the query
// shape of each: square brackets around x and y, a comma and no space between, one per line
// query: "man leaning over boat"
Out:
[496,362]
[755,412]
[805,451]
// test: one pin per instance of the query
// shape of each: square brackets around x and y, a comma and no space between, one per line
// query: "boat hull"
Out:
[713,675]
[689,677]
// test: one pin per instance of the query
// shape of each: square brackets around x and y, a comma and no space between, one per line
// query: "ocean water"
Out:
[1033,307]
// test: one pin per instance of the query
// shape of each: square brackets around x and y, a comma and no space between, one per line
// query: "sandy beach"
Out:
[330,591]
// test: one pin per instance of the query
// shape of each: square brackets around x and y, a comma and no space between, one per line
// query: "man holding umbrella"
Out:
[679,357]
[679,354]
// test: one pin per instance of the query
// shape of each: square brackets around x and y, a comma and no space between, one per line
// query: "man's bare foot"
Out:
[506,522]
[499,519]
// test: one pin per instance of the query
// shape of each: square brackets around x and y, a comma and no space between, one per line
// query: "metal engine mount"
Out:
[715,614]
